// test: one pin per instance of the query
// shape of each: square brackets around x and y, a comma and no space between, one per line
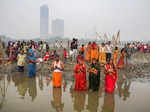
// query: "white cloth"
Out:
[108,49]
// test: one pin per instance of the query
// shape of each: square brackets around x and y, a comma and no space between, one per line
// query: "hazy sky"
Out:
[20,18]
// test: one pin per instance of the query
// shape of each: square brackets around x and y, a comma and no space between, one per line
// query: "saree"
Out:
[142,49]
[88,53]
[115,57]
[110,80]
[121,63]
[31,65]
[94,77]
[102,56]
[94,53]
[80,77]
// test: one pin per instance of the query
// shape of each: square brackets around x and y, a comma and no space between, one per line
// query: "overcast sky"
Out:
[21,18]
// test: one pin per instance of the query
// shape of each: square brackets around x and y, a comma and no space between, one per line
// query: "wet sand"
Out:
[18,93]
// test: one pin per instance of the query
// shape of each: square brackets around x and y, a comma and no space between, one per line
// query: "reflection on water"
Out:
[57,100]
[109,103]
[18,92]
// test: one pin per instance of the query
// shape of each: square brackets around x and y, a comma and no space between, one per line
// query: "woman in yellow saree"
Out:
[116,51]
[102,56]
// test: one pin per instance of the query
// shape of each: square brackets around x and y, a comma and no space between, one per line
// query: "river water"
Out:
[18,93]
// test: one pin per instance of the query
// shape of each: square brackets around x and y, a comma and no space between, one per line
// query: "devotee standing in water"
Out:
[94,76]
[65,55]
[80,75]
[121,63]
[31,63]
[21,61]
[102,56]
[57,67]
[82,49]
[88,52]
[115,56]
[94,51]
[110,76]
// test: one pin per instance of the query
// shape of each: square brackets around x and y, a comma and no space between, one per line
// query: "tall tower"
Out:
[44,21]
[58,27]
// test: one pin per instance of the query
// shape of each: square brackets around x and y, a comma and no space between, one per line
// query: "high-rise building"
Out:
[44,21]
[58,27]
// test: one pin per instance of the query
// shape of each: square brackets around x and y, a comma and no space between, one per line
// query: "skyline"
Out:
[22,19]
[44,21]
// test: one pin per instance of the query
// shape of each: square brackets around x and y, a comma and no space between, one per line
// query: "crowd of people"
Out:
[91,59]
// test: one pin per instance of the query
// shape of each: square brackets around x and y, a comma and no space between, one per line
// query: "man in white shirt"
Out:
[108,50]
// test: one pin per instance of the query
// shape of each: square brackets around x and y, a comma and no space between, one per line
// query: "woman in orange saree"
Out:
[94,51]
[110,76]
[80,76]
[88,52]
[102,56]
[116,51]
[121,63]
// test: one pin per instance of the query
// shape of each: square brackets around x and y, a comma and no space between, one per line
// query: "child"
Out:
[65,55]
[21,61]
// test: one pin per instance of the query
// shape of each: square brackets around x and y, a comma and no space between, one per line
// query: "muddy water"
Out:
[18,93]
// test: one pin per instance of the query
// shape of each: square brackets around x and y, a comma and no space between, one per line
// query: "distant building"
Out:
[44,21]
[58,27]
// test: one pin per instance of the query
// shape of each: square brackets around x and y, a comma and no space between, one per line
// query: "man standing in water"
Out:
[57,67]
[108,51]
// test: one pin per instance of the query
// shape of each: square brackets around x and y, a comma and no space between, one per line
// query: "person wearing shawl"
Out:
[80,75]
[31,63]
[94,76]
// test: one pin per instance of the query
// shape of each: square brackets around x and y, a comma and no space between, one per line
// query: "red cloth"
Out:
[80,77]
[142,49]
[147,50]
[121,63]
[110,80]
[46,57]
[80,56]
[65,54]
[93,45]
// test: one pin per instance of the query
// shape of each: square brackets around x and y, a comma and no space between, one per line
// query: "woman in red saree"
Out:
[80,75]
[110,76]
[121,63]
